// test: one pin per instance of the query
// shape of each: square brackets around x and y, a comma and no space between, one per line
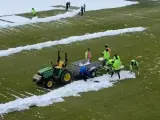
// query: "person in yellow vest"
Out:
[116,67]
[106,56]
[117,57]
[106,47]
[33,12]
[134,64]
[88,55]
[109,65]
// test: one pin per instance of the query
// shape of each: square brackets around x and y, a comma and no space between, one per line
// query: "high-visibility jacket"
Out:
[33,11]
[106,55]
[135,63]
[116,65]
[110,62]
[118,58]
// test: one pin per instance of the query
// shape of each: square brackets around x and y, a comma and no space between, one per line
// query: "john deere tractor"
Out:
[55,73]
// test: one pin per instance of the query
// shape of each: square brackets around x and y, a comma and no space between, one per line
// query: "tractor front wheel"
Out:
[66,77]
[49,83]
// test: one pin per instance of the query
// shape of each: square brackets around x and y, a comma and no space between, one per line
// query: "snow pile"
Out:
[87,63]
[19,21]
[68,40]
[10,7]
[15,19]
[57,95]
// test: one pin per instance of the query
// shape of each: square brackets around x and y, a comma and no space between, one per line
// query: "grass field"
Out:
[136,99]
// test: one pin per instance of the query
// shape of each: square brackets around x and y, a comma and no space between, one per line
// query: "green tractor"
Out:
[57,73]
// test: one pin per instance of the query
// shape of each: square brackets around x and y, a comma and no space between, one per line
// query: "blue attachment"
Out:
[84,71]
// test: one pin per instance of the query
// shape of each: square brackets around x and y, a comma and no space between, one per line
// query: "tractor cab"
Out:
[60,63]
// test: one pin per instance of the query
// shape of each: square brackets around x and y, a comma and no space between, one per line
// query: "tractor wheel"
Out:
[66,77]
[93,74]
[49,83]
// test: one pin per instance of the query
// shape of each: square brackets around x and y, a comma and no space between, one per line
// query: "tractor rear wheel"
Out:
[66,77]
[49,83]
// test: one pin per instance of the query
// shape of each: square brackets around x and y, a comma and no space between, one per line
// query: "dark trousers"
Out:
[34,15]
[82,13]
[135,67]
[66,7]
[84,77]
[117,72]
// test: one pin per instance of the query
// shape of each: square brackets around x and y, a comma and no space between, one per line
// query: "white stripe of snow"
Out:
[3,23]
[69,90]
[10,7]
[69,40]
[7,12]
[41,20]
[15,18]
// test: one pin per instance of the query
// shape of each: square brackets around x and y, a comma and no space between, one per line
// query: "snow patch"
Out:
[15,18]
[9,7]
[87,63]
[68,40]
[4,23]
[57,95]
[23,21]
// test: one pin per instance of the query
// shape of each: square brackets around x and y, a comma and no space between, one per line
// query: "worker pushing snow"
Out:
[106,56]
[109,65]
[134,64]
[117,57]
[33,12]
[116,66]
[82,11]
[68,4]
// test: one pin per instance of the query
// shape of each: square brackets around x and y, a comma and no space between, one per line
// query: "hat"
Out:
[106,45]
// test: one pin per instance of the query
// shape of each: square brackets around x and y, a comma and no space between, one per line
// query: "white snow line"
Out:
[45,89]
[15,92]
[41,20]
[68,40]
[29,93]
[40,91]
[65,91]
[3,95]
[13,95]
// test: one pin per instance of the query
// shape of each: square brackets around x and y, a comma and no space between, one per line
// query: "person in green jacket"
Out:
[33,12]
[116,67]
[110,62]
[109,65]
[134,64]
[116,57]
[106,56]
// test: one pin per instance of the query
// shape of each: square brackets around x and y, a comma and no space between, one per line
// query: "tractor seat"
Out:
[61,63]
